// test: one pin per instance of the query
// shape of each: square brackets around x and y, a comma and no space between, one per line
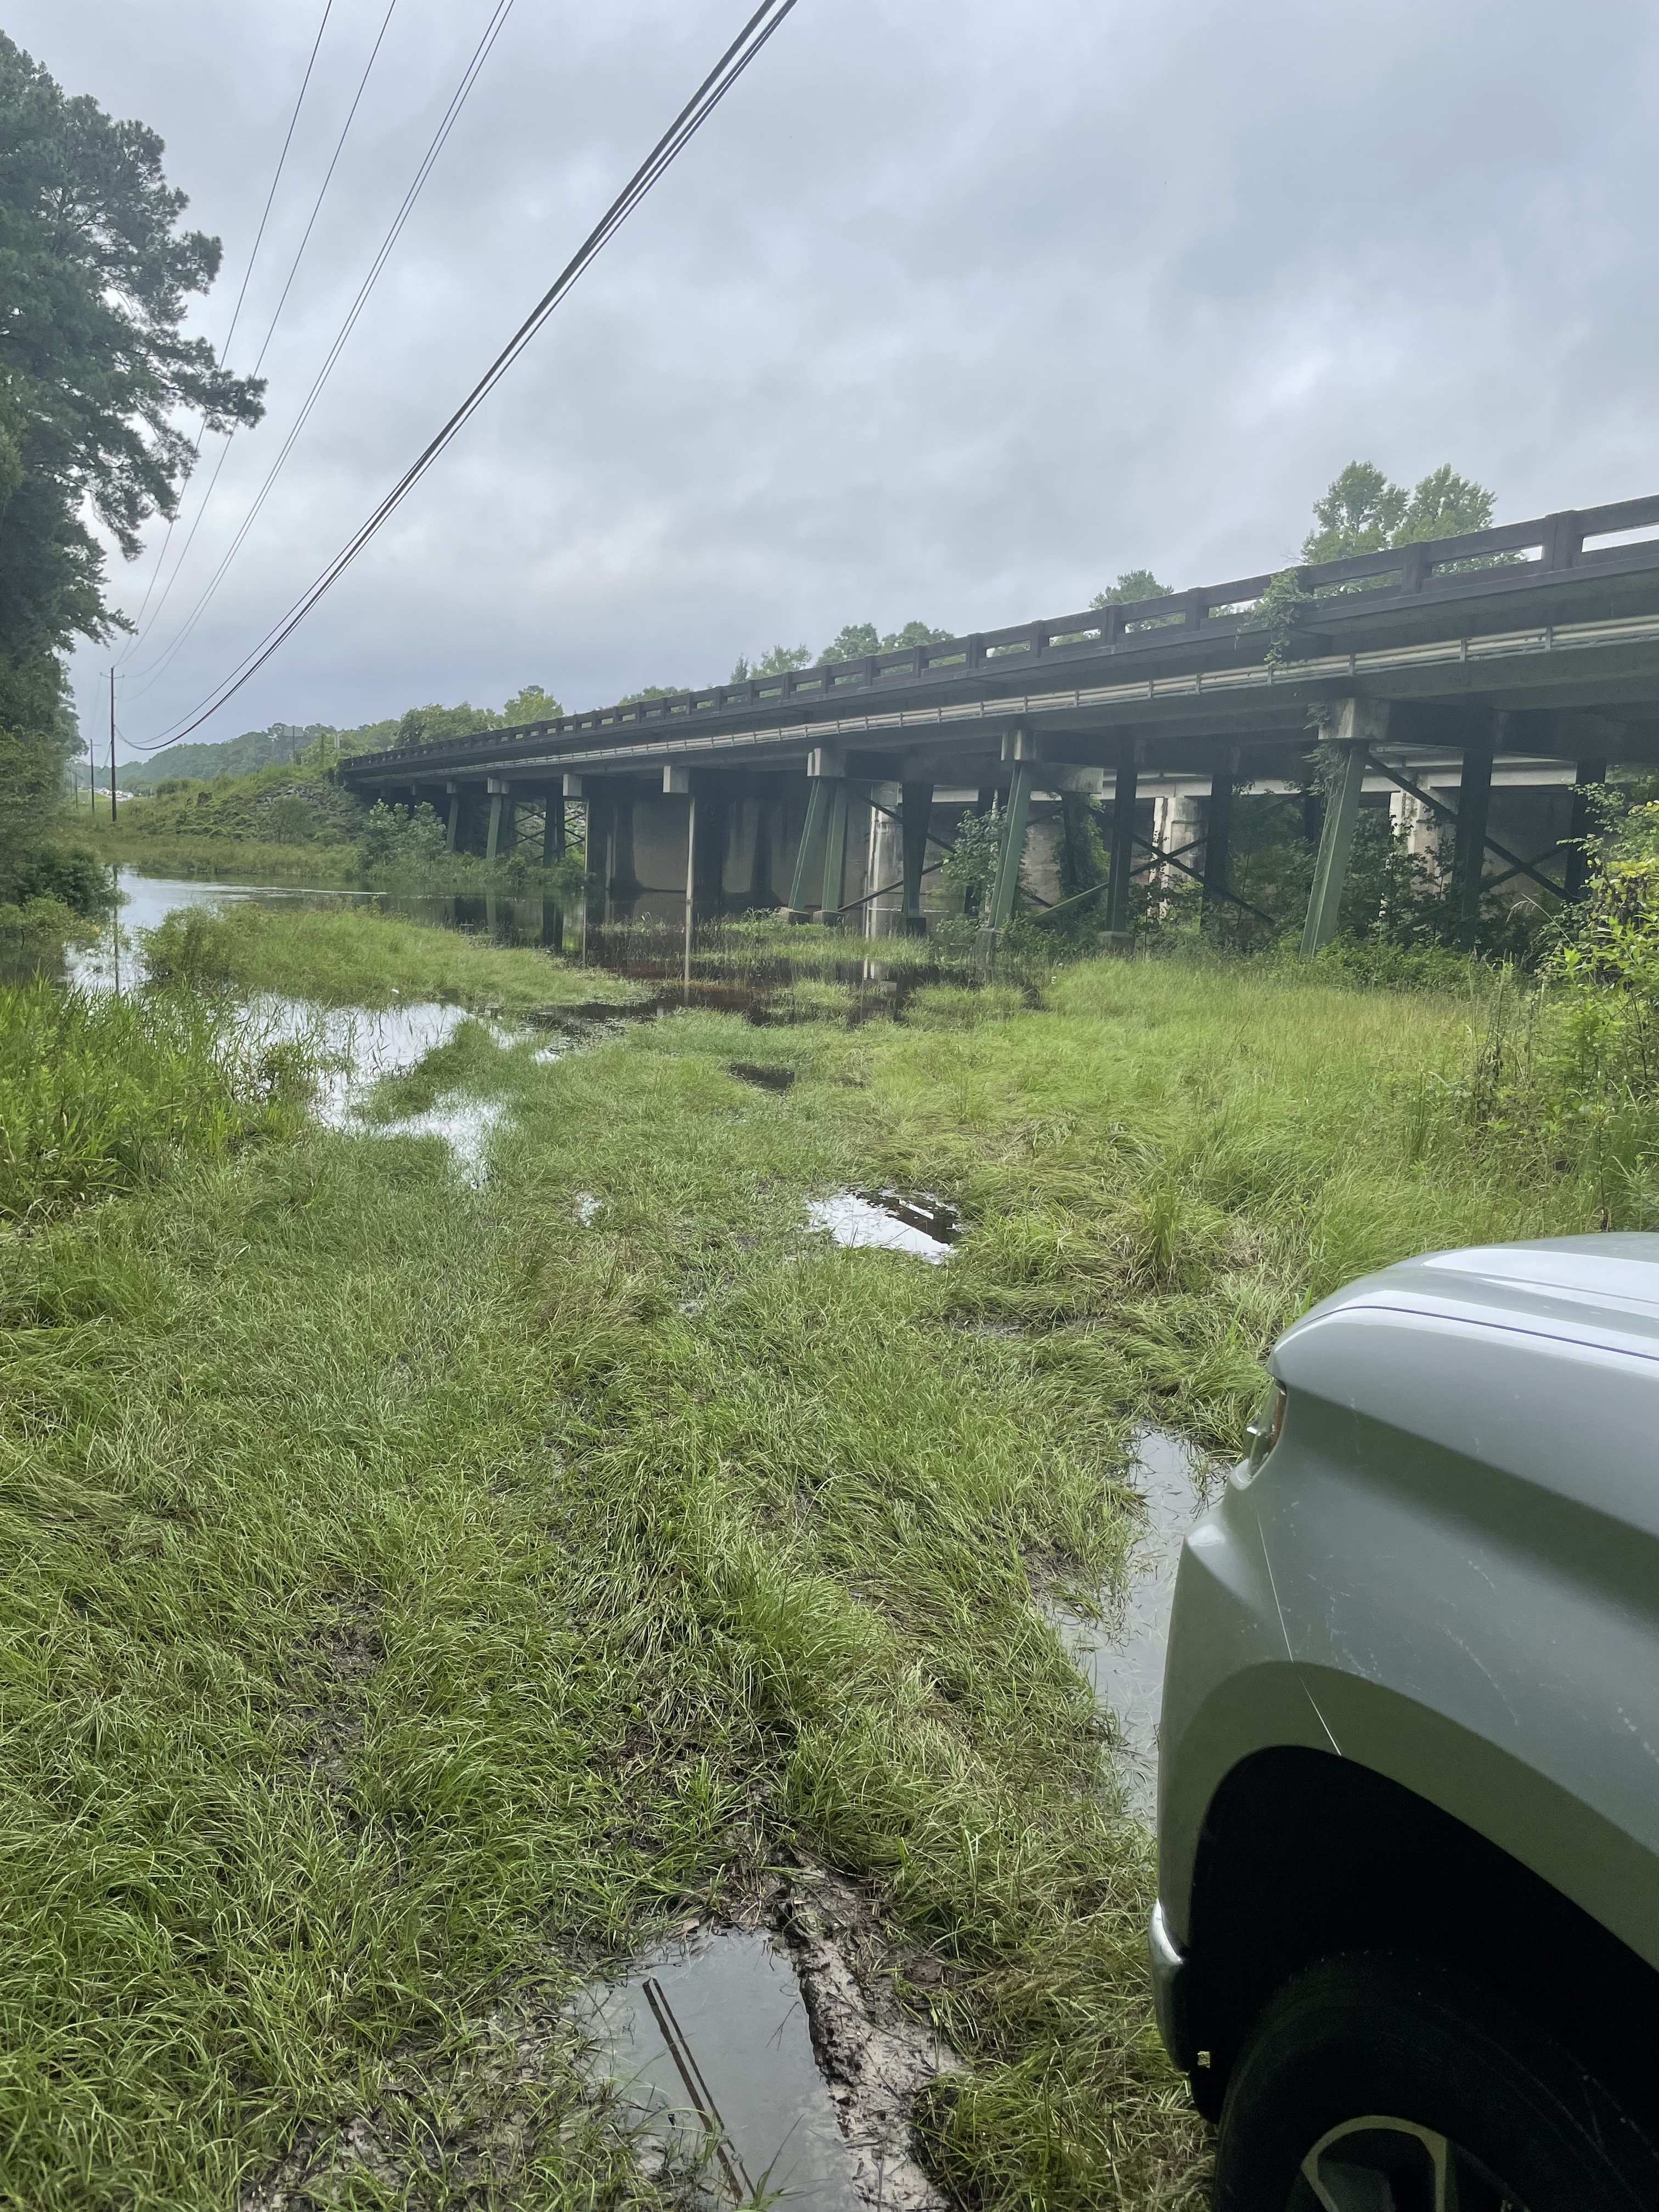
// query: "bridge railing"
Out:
[1576,539]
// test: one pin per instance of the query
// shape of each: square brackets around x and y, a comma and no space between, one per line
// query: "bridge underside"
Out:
[1477,699]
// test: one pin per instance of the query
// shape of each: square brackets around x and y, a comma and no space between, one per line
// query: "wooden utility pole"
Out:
[111,745]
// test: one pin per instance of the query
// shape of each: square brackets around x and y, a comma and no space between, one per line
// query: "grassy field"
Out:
[419,1593]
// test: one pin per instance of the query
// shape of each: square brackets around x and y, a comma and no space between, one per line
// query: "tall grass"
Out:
[97,1095]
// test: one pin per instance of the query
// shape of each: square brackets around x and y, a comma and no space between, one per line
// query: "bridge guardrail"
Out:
[1547,545]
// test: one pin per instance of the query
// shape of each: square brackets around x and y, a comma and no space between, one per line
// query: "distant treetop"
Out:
[1362,512]
[1132,584]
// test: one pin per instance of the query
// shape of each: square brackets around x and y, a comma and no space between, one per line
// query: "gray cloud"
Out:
[952,312]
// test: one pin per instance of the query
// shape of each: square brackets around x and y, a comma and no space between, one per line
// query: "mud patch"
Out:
[778,2051]
[352,1652]
[763,1078]
[875,2056]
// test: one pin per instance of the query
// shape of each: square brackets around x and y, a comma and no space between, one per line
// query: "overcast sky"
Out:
[953,310]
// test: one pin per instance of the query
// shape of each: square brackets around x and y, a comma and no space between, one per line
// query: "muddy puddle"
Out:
[887,1221]
[708,2042]
[1121,1654]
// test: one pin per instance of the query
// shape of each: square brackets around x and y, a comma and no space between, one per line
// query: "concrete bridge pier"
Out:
[503,820]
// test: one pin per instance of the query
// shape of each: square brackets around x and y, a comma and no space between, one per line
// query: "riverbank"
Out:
[424,1593]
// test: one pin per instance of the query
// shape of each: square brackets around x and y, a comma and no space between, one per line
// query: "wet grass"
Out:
[360,957]
[418,1592]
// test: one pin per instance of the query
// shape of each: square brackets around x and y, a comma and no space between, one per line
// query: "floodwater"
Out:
[356,1048]
[1120,1655]
[887,1221]
[707,2041]
[353,1047]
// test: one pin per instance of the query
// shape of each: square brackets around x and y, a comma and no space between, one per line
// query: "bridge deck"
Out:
[1546,621]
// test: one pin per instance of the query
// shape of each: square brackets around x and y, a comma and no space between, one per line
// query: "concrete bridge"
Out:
[1483,683]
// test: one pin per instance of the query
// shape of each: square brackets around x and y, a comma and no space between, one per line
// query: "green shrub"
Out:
[69,874]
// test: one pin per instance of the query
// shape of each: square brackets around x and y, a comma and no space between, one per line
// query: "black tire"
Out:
[1472,2086]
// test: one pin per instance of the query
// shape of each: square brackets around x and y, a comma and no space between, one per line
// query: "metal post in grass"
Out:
[1359,723]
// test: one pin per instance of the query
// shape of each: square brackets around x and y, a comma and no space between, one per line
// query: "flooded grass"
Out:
[1118,1643]
[420,1594]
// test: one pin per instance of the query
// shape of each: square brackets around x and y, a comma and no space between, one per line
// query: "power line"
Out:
[733,63]
[155,667]
[224,350]
[446,124]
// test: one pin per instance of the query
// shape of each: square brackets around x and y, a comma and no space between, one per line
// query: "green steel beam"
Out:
[817,806]
[1469,842]
[1007,887]
[1331,870]
[835,849]
[1123,848]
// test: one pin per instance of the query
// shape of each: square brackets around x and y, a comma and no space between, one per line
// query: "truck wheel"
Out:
[1382,2083]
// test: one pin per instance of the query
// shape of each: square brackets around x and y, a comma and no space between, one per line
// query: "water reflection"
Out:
[709,2041]
[1120,1654]
[887,1221]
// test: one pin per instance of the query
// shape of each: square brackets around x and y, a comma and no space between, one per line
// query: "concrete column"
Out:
[1180,825]
[760,856]
[452,826]
[1124,847]
[916,805]
[884,861]
[501,818]
[1591,774]
[1418,825]
[553,827]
